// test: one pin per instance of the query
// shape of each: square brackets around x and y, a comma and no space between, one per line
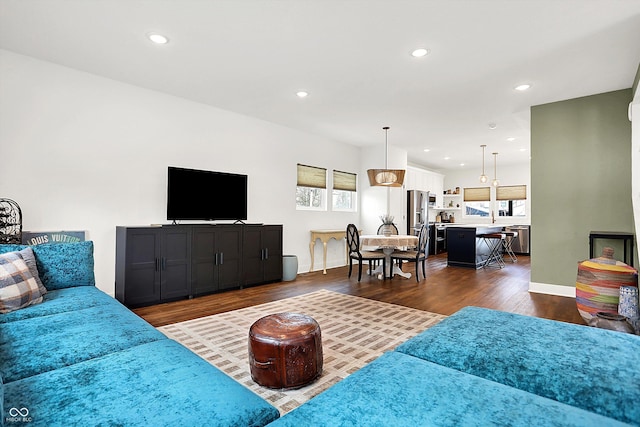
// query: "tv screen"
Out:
[206,195]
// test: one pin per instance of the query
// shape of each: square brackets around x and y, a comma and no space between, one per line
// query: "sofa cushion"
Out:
[30,259]
[60,301]
[589,368]
[155,384]
[18,288]
[401,390]
[62,265]
[40,344]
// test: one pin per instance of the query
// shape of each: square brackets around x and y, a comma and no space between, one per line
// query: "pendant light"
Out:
[386,177]
[495,181]
[483,177]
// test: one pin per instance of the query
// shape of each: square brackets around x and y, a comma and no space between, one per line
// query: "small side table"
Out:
[325,236]
[625,237]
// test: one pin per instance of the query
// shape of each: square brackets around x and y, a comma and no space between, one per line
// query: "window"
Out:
[311,192]
[477,201]
[511,200]
[344,191]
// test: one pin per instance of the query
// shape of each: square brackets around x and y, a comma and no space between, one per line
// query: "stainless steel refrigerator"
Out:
[417,210]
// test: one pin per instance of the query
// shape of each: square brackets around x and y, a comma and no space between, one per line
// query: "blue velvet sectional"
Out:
[482,367]
[80,358]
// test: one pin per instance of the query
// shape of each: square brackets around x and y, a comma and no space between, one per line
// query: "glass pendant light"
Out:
[495,181]
[386,177]
[483,177]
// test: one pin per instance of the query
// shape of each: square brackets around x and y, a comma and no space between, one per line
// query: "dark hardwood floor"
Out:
[444,291]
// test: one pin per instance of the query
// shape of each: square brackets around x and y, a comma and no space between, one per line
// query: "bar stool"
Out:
[507,242]
[494,242]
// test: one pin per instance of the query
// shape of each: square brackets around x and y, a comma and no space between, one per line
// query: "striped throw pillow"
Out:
[18,288]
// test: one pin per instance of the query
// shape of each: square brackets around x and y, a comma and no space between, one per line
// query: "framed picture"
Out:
[33,238]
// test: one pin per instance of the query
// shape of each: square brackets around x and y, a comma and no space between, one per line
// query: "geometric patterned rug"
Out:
[354,330]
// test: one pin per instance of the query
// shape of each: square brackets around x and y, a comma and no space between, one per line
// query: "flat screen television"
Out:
[205,195]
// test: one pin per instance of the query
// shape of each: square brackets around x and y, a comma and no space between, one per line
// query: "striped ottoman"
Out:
[598,284]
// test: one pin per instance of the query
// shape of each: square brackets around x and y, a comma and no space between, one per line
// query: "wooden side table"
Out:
[324,236]
[625,237]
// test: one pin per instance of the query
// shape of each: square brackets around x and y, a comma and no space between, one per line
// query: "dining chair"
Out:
[419,256]
[391,227]
[353,243]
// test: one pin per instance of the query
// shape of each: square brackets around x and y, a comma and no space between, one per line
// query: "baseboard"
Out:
[317,266]
[549,289]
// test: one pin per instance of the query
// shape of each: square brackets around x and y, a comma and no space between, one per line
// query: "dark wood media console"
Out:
[172,262]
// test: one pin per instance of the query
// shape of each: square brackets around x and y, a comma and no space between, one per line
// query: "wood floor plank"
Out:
[445,290]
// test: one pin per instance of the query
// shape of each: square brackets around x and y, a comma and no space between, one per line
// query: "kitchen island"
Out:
[465,248]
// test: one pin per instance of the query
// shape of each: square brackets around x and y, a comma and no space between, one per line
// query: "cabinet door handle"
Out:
[215,258]
[157,264]
[266,253]
[221,258]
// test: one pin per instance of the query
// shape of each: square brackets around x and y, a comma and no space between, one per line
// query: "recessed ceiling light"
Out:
[492,126]
[158,38]
[511,139]
[426,150]
[522,87]
[523,149]
[461,164]
[418,53]
[447,158]
[302,94]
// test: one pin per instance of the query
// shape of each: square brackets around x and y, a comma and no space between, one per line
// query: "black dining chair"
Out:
[353,243]
[419,256]
[391,227]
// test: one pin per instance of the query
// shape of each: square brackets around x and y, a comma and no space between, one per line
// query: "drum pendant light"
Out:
[386,177]
[483,177]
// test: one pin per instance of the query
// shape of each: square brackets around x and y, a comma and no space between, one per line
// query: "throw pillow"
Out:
[64,265]
[61,265]
[30,259]
[18,288]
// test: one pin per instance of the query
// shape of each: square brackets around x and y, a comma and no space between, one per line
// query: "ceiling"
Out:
[353,58]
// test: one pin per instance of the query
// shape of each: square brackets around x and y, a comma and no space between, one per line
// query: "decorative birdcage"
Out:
[10,222]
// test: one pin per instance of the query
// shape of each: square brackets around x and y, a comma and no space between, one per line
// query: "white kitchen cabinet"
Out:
[425,180]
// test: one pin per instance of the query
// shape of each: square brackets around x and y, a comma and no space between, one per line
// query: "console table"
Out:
[625,237]
[324,236]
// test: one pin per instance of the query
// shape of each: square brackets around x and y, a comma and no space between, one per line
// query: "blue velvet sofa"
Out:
[482,367]
[80,358]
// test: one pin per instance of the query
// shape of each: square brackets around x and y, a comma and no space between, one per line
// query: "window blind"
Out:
[311,176]
[511,192]
[345,181]
[477,194]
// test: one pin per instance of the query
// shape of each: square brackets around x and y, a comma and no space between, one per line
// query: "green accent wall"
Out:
[580,181]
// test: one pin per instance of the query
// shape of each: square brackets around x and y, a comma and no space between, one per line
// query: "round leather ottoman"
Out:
[285,350]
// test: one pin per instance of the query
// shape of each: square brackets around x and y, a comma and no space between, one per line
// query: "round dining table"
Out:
[389,244]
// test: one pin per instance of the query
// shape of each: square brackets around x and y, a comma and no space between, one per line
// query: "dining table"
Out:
[389,244]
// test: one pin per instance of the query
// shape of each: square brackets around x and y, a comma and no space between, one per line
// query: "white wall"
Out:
[81,152]
[634,113]
[507,175]
[376,201]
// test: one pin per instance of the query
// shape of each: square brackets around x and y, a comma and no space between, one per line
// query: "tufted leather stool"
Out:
[285,350]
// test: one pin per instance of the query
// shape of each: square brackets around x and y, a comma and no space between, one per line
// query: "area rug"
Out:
[355,331]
